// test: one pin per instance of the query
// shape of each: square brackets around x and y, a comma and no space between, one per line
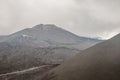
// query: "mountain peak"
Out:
[45,26]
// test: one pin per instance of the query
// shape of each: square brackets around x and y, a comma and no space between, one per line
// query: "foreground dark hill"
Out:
[100,62]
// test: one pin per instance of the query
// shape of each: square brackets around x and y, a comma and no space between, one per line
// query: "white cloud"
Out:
[94,18]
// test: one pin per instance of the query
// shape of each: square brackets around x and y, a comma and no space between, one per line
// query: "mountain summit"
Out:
[45,26]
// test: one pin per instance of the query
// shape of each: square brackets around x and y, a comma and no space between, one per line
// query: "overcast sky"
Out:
[91,18]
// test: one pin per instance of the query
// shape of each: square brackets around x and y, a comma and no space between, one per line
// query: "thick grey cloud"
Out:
[93,18]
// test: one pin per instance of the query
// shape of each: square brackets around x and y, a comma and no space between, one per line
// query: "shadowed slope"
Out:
[100,62]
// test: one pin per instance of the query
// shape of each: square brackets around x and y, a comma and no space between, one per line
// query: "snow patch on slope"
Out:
[24,35]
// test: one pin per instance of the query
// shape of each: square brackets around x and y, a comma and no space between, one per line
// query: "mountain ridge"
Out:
[44,35]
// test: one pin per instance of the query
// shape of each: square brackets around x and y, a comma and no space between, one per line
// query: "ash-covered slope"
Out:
[19,57]
[50,35]
[28,74]
[2,38]
[100,62]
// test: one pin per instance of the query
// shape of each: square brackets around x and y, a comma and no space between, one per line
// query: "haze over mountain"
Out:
[92,18]
[100,62]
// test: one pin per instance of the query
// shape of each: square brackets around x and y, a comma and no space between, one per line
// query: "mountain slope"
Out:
[50,35]
[42,44]
[21,57]
[2,38]
[100,62]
